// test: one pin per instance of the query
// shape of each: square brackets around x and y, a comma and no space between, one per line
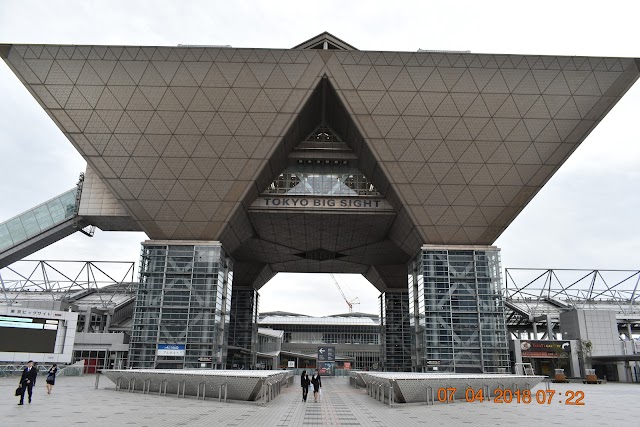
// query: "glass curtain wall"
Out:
[181,315]
[243,330]
[457,311]
[396,333]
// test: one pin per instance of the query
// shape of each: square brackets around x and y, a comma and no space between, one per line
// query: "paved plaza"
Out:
[74,401]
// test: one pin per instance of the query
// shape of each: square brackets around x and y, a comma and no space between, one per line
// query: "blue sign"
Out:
[171,349]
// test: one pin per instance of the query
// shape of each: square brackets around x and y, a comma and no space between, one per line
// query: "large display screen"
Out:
[28,334]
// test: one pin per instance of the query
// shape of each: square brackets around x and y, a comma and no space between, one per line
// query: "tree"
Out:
[586,346]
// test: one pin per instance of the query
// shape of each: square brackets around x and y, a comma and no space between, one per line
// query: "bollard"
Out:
[118,383]
[198,390]
[220,388]
[132,385]
[97,379]
[429,397]
[160,389]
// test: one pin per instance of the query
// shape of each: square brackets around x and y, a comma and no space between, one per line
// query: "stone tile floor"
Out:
[74,401]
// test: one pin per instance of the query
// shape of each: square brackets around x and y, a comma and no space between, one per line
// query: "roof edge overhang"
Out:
[4,50]
[598,113]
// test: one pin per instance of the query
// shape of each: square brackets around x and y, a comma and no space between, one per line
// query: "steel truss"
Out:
[67,280]
[616,290]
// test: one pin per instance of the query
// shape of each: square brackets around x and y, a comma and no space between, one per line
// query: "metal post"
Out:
[97,379]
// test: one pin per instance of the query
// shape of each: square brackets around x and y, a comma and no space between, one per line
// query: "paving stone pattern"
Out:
[75,402]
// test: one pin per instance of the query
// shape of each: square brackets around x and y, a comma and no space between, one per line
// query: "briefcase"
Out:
[19,391]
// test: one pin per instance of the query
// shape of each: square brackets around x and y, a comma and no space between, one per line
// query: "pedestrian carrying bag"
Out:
[19,391]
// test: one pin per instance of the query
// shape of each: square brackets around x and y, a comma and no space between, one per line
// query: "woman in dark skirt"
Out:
[51,377]
[317,385]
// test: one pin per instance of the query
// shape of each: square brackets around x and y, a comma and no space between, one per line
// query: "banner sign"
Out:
[322,203]
[547,349]
[171,349]
[326,354]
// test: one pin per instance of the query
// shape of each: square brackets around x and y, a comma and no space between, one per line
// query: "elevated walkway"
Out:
[41,226]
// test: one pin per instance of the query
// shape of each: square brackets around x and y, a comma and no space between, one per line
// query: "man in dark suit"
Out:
[27,380]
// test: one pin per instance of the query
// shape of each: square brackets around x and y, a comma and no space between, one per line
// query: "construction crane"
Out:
[349,303]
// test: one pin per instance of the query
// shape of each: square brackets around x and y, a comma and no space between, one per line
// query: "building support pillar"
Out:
[395,333]
[243,328]
[181,312]
[549,328]
[457,310]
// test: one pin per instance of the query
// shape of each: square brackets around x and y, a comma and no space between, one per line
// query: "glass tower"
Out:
[243,330]
[181,315]
[395,329]
[456,310]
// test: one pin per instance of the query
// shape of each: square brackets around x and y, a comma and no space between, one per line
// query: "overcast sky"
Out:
[587,216]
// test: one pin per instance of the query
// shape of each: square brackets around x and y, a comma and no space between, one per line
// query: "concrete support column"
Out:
[87,320]
[549,328]
[107,323]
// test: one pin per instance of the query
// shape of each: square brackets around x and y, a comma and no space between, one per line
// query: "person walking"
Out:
[304,383]
[27,380]
[37,369]
[317,384]
[51,377]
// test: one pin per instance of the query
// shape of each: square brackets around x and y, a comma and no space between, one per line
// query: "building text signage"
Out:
[321,203]
[171,349]
[546,349]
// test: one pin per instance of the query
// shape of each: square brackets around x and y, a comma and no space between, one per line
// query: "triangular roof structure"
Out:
[325,41]
[186,139]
